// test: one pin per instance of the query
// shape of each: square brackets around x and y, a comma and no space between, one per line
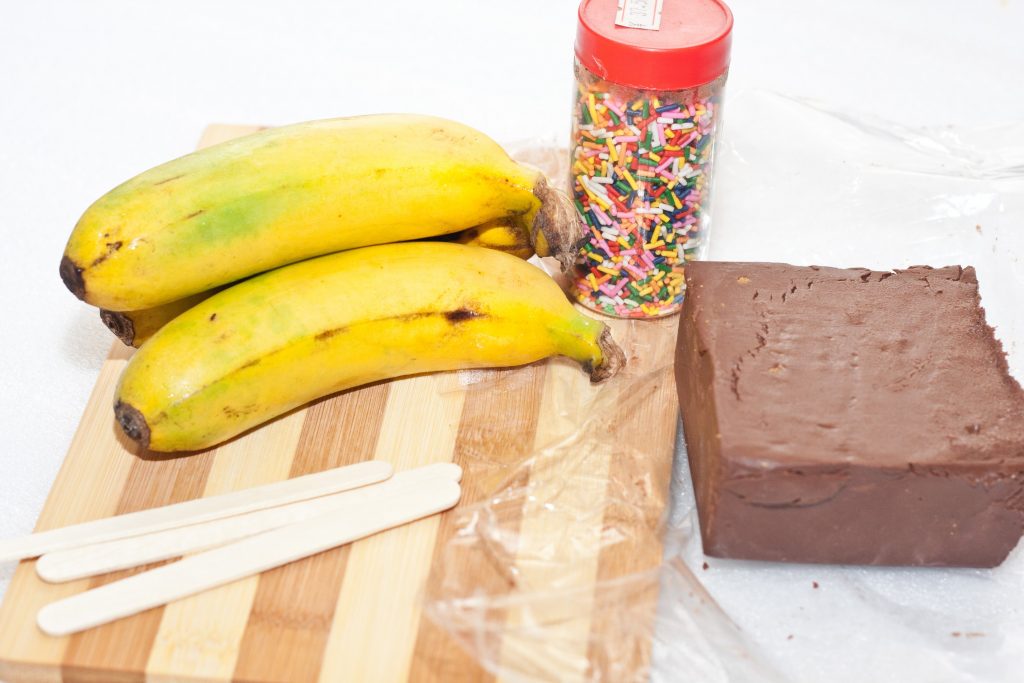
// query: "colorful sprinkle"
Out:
[641,166]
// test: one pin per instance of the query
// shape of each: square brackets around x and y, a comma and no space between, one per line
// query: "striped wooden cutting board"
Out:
[355,613]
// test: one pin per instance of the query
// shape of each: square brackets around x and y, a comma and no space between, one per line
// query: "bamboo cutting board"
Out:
[355,613]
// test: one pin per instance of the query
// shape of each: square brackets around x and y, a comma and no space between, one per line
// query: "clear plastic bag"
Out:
[535,615]
[797,183]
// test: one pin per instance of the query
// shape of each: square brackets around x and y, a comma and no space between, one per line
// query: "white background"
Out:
[92,93]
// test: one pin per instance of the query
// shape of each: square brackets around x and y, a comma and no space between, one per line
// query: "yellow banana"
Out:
[135,327]
[504,235]
[281,339]
[285,194]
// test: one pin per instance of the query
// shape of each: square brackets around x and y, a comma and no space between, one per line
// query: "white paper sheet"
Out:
[787,170]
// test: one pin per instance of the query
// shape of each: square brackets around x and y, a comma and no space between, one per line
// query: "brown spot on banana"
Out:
[455,317]
[167,180]
[327,334]
[460,315]
[111,248]
[235,413]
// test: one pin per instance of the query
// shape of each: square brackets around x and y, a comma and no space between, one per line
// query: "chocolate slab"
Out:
[849,416]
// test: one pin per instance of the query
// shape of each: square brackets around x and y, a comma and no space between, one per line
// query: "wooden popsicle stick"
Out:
[240,559]
[100,558]
[196,511]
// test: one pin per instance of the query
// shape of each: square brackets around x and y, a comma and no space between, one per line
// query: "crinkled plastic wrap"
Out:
[804,184]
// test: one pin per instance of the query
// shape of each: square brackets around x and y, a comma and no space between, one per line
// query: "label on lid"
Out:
[645,14]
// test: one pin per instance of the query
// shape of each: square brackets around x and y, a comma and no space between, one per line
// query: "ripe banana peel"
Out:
[135,327]
[286,194]
[286,337]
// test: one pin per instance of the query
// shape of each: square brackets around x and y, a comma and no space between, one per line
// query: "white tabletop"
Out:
[92,93]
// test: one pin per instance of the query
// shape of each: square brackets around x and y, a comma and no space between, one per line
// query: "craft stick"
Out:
[240,559]
[100,558]
[196,511]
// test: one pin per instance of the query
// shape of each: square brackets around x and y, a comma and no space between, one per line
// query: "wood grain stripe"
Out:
[639,478]
[496,432]
[118,651]
[199,635]
[26,652]
[294,605]
[374,630]
[560,537]
[638,489]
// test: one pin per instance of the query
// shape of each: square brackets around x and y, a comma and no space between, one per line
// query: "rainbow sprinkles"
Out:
[640,174]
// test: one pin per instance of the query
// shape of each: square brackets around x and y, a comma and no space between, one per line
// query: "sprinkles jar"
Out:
[649,81]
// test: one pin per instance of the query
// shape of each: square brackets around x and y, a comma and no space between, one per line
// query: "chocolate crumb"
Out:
[705,567]
[814,584]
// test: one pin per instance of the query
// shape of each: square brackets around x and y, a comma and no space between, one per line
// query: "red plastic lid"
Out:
[690,47]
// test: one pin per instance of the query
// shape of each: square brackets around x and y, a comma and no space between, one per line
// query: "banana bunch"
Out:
[268,271]
[281,339]
[287,194]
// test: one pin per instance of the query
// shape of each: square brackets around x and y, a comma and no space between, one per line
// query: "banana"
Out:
[287,337]
[286,194]
[135,327]
[504,235]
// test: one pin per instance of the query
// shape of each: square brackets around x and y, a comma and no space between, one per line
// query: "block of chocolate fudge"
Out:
[849,416]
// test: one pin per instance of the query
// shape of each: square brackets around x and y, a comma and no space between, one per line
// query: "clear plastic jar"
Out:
[643,143]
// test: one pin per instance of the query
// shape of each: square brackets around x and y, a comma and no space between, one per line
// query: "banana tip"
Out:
[133,423]
[612,358]
[120,324]
[71,274]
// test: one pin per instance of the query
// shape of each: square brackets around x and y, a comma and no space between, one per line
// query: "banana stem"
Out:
[590,342]
[612,358]
[556,229]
